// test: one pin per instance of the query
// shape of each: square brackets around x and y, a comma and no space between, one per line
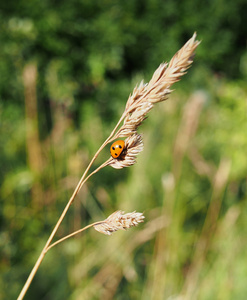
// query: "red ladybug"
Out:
[117,148]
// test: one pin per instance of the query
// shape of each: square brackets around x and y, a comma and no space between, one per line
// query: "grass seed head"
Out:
[144,96]
[119,221]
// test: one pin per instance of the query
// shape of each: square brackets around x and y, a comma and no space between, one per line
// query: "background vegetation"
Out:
[66,70]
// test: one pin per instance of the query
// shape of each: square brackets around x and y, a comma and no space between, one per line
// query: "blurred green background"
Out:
[66,70]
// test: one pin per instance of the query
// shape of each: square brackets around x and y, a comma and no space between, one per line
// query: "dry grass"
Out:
[138,105]
[116,221]
[119,221]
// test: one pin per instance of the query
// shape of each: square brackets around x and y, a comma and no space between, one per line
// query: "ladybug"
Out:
[117,148]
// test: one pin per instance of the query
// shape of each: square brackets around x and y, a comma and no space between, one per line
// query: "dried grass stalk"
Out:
[119,221]
[138,105]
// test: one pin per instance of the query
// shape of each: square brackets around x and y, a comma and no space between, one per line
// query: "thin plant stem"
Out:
[73,234]
[77,189]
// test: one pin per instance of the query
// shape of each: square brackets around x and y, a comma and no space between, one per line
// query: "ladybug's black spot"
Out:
[113,148]
[116,154]
[120,146]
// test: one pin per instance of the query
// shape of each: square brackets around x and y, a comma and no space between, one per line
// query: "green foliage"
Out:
[89,56]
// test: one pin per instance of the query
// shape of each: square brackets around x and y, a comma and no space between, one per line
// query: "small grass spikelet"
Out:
[119,221]
[133,146]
